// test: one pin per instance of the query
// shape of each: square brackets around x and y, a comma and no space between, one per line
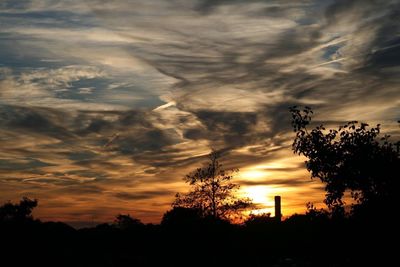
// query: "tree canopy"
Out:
[212,193]
[352,158]
[18,212]
[126,221]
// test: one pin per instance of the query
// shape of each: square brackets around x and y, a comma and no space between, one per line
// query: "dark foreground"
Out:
[298,241]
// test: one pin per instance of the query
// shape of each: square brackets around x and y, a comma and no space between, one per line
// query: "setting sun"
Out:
[262,196]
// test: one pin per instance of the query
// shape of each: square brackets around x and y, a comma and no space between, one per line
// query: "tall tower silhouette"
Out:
[278,214]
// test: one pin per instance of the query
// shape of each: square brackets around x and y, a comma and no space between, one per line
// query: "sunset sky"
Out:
[106,105]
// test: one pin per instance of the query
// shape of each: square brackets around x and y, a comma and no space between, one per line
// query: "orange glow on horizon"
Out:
[262,182]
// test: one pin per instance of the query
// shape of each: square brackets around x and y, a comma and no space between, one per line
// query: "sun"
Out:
[257,193]
[261,195]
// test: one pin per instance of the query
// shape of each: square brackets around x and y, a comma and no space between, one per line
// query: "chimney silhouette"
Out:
[278,214]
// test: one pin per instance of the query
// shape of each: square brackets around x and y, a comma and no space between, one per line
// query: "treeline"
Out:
[187,239]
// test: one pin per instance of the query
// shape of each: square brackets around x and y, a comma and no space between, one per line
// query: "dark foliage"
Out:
[125,221]
[181,217]
[259,219]
[212,193]
[352,158]
[301,240]
[10,212]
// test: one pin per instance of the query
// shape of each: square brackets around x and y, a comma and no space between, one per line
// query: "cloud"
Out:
[35,120]
[143,195]
[53,87]
[21,164]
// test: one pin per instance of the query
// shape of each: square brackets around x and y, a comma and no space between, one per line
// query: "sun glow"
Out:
[253,174]
[261,195]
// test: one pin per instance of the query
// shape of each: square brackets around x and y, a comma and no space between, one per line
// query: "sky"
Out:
[106,105]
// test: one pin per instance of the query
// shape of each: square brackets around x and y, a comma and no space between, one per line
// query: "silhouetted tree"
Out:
[179,216]
[315,214]
[18,212]
[125,221]
[213,193]
[259,219]
[351,158]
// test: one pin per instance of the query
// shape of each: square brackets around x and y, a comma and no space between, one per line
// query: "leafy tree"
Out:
[351,158]
[213,193]
[179,216]
[259,219]
[125,221]
[315,214]
[18,212]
